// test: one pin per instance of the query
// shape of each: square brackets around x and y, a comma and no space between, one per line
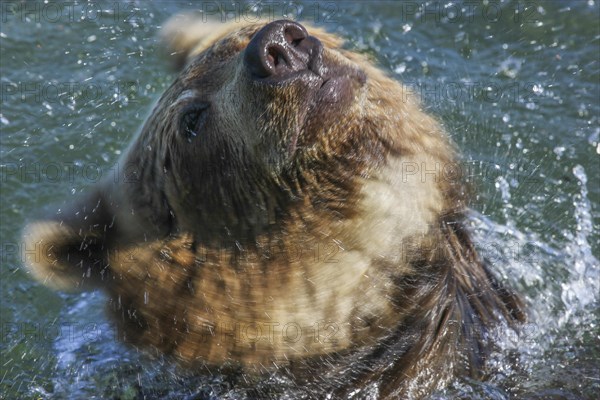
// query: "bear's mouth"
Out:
[340,85]
[333,94]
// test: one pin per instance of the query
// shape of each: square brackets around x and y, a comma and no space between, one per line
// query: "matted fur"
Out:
[335,237]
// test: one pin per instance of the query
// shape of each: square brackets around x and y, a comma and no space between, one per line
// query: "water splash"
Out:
[582,289]
[562,289]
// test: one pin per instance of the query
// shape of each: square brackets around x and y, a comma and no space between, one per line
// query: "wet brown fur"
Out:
[376,267]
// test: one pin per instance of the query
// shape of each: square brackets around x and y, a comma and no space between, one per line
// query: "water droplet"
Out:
[510,67]
[400,68]
[502,185]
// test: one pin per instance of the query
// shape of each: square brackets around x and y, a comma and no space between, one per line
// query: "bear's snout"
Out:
[281,49]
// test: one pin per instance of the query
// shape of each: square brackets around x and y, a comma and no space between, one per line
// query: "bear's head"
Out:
[283,179]
[265,128]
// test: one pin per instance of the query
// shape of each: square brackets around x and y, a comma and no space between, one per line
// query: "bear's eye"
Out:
[193,119]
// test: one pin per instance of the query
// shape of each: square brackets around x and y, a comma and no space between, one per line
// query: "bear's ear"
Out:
[187,35]
[69,249]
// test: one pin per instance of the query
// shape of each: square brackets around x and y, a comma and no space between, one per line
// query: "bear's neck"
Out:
[255,206]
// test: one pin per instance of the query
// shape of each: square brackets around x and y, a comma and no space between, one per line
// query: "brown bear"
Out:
[285,206]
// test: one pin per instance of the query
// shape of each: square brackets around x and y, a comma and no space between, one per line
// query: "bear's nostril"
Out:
[294,34]
[276,56]
[273,57]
